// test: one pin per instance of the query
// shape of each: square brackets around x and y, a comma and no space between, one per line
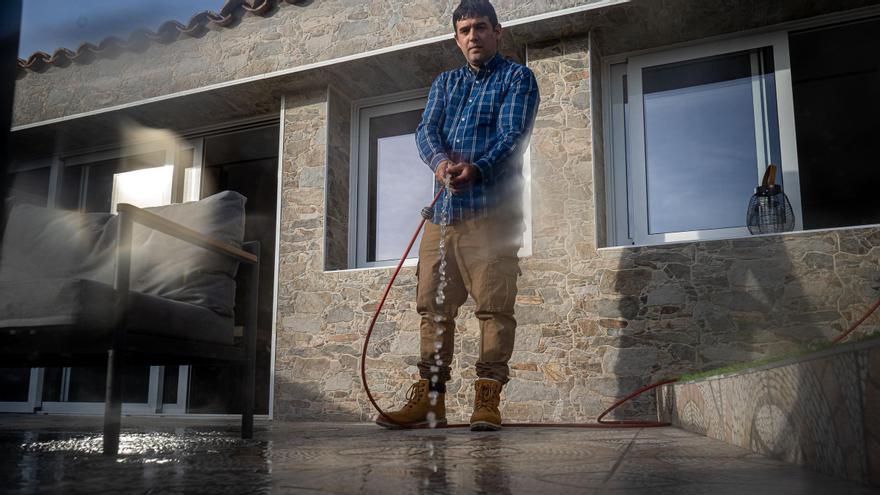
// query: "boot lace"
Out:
[485,398]
[413,395]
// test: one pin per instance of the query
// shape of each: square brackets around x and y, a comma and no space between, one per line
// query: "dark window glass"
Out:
[14,384]
[169,386]
[836,84]
[88,383]
[52,384]
[246,162]
[71,186]
[29,186]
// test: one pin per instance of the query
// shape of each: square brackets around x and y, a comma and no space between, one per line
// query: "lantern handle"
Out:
[769,176]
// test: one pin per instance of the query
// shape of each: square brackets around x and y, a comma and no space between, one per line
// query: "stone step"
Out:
[820,411]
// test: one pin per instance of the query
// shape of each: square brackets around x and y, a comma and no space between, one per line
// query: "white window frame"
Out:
[362,112]
[627,211]
[359,180]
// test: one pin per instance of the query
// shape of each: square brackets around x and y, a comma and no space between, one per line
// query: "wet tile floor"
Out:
[61,454]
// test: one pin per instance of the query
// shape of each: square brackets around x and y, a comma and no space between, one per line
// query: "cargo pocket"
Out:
[500,284]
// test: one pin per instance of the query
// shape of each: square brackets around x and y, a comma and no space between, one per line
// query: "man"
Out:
[473,133]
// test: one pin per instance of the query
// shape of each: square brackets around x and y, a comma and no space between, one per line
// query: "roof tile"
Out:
[166,33]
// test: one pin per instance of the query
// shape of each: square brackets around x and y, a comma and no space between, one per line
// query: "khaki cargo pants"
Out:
[481,257]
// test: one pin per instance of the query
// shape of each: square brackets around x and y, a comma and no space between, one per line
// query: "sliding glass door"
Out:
[244,159]
[145,175]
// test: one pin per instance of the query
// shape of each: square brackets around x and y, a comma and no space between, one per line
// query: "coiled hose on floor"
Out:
[601,422]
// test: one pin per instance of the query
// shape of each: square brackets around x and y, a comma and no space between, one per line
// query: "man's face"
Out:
[477,39]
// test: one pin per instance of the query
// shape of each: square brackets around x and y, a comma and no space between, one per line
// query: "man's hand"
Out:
[464,175]
[441,171]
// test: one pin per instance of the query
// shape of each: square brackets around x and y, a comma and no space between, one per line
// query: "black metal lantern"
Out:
[769,209]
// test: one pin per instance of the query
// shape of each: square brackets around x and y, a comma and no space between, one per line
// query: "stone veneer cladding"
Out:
[291,36]
[594,324]
[338,176]
[819,412]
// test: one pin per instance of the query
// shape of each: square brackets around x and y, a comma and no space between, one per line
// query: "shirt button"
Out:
[458,140]
[462,119]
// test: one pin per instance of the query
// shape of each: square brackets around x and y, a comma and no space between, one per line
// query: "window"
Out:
[391,184]
[144,188]
[390,181]
[692,131]
[149,173]
[145,175]
[27,184]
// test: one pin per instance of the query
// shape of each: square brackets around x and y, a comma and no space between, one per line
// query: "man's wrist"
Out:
[478,174]
[482,168]
[438,159]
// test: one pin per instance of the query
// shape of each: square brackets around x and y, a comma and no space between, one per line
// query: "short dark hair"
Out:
[471,9]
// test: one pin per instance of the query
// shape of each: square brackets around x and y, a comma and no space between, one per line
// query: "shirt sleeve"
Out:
[515,120]
[428,137]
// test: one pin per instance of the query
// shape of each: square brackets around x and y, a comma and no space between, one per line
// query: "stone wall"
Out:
[671,309]
[288,37]
[594,323]
[645,24]
[338,177]
[818,411]
[321,315]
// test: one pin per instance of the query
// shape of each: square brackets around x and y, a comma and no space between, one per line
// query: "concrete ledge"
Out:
[821,411]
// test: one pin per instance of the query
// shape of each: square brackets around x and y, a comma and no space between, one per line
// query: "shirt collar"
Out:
[487,68]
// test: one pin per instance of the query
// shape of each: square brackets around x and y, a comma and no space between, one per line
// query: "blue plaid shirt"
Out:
[483,118]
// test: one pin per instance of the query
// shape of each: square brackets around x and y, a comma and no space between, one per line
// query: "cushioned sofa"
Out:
[145,286]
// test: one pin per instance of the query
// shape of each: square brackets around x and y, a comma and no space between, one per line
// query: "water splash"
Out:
[444,220]
[140,444]
[440,298]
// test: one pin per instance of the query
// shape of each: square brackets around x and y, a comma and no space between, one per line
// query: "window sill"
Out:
[735,238]
[410,262]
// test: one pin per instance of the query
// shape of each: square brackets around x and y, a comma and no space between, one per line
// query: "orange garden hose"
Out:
[600,421]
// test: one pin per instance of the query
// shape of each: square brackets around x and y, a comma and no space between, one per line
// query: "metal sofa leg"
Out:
[112,405]
[250,344]
[122,283]
[247,410]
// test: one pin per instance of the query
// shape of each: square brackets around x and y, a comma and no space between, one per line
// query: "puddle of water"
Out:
[135,444]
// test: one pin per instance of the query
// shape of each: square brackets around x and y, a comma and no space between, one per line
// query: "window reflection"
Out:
[399,185]
[143,188]
[402,186]
[710,126]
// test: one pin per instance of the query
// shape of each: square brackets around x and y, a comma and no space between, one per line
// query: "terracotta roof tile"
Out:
[166,33]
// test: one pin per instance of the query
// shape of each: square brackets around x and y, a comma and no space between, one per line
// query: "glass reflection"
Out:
[710,126]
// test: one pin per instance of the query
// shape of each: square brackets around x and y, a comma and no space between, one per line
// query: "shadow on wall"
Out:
[669,310]
[814,412]
[317,388]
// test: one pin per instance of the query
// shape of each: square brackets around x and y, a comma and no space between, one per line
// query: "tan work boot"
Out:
[416,412]
[486,416]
